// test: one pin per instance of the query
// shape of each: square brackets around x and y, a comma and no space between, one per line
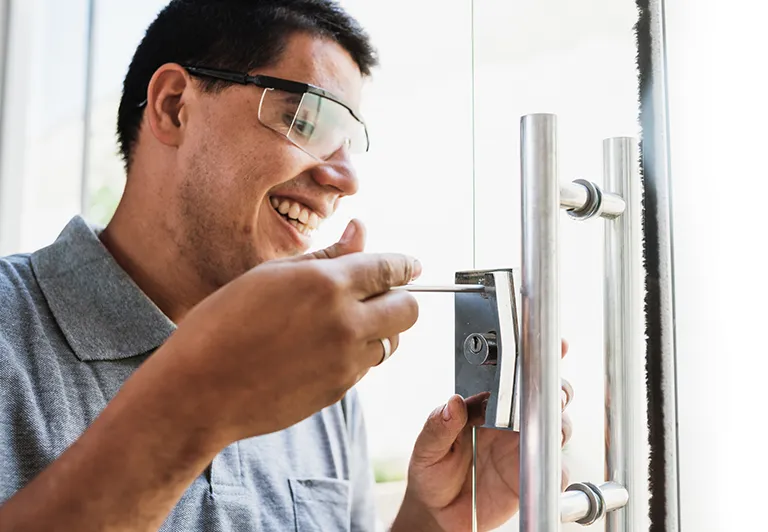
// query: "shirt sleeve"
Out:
[363,517]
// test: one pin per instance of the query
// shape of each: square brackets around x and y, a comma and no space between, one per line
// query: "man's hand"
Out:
[288,338]
[439,493]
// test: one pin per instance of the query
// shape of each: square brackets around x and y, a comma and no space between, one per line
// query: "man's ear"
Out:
[166,101]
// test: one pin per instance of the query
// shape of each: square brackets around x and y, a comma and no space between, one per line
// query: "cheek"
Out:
[268,161]
[243,159]
[217,144]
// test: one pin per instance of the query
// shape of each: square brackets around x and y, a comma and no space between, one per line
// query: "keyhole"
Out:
[476,344]
[480,349]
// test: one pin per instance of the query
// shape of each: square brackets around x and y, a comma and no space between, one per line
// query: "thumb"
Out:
[440,431]
[352,241]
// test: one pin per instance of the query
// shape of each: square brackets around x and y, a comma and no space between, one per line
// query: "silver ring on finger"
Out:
[387,347]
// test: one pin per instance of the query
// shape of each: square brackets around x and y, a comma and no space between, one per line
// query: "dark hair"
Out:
[240,35]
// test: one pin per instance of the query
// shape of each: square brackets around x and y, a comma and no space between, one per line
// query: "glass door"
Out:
[576,60]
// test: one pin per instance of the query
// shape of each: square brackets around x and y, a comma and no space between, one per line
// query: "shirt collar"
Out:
[103,314]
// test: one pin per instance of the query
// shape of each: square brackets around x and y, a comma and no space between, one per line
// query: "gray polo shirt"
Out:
[73,327]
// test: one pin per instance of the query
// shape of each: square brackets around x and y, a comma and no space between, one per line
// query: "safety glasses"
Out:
[312,118]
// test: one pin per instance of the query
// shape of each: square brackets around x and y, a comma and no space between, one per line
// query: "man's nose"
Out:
[338,172]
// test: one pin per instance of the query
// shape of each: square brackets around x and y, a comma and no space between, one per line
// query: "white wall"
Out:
[718,90]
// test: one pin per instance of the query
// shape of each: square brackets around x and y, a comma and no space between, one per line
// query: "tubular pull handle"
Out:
[508,334]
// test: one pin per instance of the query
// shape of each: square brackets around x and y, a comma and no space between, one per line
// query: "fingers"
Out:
[352,241]
[476,407]
[378,351]
[440,431]
[565,399]
[567,432]
[373,274]
[566,394]
[565,477]
[388,314]
[563,347]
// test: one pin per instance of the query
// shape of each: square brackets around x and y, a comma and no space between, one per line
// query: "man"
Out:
[186,368]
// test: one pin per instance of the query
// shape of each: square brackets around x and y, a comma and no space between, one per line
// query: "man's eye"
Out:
[304,128]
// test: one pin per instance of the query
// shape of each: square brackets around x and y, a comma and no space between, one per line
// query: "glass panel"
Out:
[43,108]
[577,61]
[118,29]
[415,197]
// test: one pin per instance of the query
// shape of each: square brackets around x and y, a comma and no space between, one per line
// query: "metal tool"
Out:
[507,335]
[449,288]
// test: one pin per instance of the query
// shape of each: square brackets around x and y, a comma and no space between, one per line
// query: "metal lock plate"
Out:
[487,344]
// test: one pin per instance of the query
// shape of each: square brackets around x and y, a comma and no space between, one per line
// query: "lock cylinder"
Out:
[481,349]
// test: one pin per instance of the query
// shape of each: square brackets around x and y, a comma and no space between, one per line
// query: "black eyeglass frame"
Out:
[270,82]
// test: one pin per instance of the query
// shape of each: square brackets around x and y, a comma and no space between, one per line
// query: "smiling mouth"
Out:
[304,219]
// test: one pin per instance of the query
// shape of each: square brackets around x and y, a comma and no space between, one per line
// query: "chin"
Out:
[276,249]
[278,237]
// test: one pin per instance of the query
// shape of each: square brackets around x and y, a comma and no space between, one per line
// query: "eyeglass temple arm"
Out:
[225,75]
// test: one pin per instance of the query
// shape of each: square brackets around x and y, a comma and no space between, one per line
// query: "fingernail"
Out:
[349,233]
[417,268]
[447,412]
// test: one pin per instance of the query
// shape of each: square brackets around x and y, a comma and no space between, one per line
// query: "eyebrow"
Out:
[293,98]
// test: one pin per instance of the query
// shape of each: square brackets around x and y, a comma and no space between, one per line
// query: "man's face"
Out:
[248,194]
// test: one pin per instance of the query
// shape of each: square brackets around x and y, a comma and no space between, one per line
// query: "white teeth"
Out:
[300,227]
[314,221]
[303,219]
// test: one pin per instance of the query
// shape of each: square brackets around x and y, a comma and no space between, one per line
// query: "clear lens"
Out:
[316,124]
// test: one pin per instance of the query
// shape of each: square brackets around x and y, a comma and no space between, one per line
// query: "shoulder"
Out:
[15,273]
[21,301]
[18,287]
